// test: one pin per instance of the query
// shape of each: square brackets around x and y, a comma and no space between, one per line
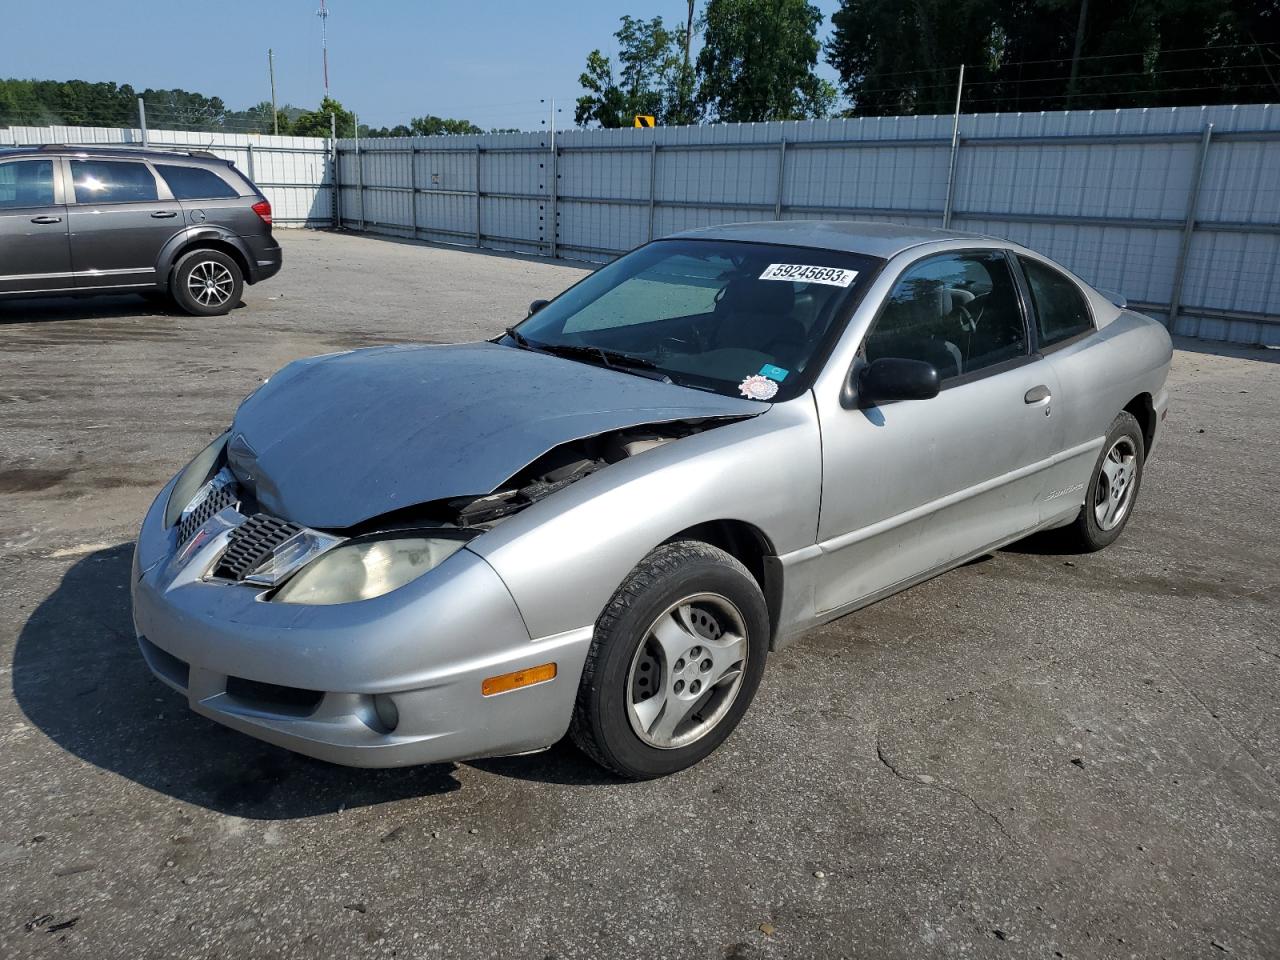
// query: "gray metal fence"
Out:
[293,172]
[1178,208]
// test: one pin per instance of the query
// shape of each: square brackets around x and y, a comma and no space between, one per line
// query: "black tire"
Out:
[191,268]
[601,726]
[1088,533]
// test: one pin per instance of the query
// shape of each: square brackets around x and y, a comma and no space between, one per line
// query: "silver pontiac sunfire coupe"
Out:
[602,522]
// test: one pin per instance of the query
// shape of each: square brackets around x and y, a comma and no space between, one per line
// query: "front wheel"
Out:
[1113,490]
[675,661]
[207,283]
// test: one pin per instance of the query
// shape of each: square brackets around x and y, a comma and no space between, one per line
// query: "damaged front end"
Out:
[299,564]
[550,473]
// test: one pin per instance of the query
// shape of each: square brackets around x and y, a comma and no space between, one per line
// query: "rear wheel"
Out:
[676,659]
[207,283]
[1113,490]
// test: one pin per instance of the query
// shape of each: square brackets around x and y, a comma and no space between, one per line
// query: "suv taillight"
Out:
[263,209]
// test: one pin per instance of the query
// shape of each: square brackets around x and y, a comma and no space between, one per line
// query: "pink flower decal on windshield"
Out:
[756,387]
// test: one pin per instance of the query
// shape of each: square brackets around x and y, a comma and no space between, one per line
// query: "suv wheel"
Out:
[207,283]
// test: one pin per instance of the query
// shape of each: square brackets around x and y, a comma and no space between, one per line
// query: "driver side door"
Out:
[915,486]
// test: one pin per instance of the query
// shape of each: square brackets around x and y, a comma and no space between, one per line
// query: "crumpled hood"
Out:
[331,441]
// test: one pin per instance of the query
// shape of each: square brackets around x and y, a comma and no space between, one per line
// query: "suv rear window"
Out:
[26,183]
[195,183]
[112,181]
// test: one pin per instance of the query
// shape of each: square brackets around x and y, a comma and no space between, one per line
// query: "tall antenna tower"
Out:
[323,14]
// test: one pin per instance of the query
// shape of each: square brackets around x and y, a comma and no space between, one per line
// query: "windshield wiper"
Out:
[521,340]
[610,358]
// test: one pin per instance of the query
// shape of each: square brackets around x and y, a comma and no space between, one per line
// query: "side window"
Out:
[1061,310]
[112,181]
[195,183]
[958,312]
[26,183]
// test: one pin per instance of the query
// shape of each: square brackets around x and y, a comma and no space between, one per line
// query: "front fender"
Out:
[192,234]
[564,557]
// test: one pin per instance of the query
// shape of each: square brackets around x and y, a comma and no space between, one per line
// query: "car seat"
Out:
[758,315]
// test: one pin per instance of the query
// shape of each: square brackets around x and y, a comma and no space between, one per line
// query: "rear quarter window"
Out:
[195,183]
[1060,307]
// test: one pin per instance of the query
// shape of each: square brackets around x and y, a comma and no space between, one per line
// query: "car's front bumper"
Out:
[306,677]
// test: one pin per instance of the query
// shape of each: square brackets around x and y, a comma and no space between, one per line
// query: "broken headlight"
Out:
[366,569]
[194,476]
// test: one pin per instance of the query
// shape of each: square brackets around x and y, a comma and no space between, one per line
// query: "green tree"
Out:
[257,119]
[429,126]
[653,78]
[183,110]
[898,58]
[70,102]
[757,61]
[1021,55]
[315,123]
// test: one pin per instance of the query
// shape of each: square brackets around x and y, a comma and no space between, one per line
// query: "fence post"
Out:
[142,120]
[653,180]
[360,177]
[413,187]
[955,156]
[252,172]
[336,212]
[1188,228]
[782,164]
[477,193]
[555,199]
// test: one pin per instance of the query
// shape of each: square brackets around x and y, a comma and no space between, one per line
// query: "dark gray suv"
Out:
[89,220]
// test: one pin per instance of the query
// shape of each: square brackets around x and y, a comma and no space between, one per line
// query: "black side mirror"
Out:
[894,378]
[536,306]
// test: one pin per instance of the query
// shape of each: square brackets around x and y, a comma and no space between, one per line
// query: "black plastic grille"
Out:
[217,501]
[251,543]
[291,701]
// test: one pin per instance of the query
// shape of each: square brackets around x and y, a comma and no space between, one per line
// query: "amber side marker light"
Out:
[518,679]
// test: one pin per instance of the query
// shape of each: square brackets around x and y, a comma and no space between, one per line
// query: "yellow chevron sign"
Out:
[644,120]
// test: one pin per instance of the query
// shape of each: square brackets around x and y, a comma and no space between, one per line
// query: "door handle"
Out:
[1037,394]
[163,215]
[46,219]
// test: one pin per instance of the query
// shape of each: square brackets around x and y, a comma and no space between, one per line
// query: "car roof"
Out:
[870,237]
[111,150]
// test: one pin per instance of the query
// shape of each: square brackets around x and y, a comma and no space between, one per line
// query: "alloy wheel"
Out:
[687,671]
[1116,478]
[210,283]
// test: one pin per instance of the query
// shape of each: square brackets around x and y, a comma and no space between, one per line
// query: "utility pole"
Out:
[323,14]
[271,67]
[688,34]
[1075,54]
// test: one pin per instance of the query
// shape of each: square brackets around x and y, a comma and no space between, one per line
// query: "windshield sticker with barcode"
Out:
[800,273]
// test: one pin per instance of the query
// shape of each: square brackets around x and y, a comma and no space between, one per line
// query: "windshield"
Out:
[742,319]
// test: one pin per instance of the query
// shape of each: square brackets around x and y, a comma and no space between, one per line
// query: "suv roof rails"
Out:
[140,147]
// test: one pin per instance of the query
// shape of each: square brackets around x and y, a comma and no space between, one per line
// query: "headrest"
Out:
[947,300]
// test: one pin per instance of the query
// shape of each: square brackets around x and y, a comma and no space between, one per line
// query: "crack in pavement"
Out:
[908,778]
[1222,724]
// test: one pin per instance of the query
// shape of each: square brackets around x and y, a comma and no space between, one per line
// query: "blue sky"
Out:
[489,61]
